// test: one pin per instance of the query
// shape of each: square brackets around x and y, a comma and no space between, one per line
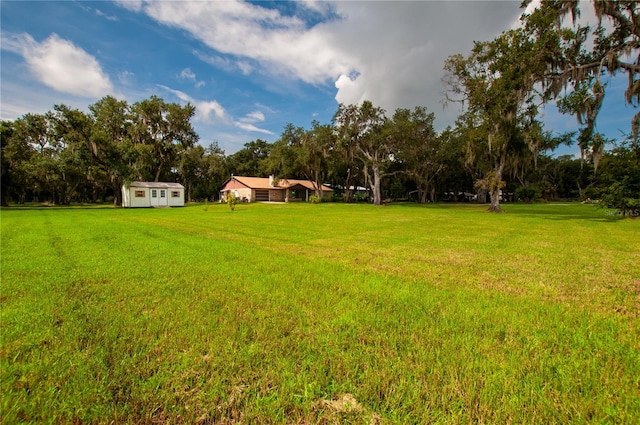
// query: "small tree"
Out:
[232,200]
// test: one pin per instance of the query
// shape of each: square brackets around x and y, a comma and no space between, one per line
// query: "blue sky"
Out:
[252,67]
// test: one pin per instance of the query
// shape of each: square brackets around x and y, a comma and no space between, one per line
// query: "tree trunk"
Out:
[377,195]
[422,194]
[495,201]
[348,193]
[481,196]
[494,191]
[317,185]
[117,194]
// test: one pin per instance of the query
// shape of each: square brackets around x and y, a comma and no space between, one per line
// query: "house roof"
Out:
[263,183]
[157,185]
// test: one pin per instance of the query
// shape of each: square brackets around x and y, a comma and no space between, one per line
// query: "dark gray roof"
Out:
[157,185]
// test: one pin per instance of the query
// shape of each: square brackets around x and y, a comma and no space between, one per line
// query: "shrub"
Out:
[232,200]
[528,193]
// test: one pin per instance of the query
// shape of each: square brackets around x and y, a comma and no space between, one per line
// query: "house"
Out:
[262,189]
[152,194]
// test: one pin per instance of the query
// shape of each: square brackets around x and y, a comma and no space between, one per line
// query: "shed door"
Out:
[164,200]
[154,197]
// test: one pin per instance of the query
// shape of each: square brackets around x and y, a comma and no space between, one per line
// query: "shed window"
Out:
[162,194]
[139,193]
[154,193]
[175,194]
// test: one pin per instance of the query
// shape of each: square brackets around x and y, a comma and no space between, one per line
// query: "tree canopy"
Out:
[498,145]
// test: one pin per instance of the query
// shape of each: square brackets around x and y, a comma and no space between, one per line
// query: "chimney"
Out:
[271,178]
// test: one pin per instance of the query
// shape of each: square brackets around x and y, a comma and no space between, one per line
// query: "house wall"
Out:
[243,192]
[234,184]
[240,190]
[276,195]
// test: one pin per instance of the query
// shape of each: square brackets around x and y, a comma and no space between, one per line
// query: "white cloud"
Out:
[391,53]
[252,128]
[252,117]
[135,5]
[399,49]
[187,74]
[107,17]
[204,108]
[211,112]
[125,76]
[281,44]
[60,64]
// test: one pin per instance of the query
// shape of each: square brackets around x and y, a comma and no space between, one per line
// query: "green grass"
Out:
[325,313]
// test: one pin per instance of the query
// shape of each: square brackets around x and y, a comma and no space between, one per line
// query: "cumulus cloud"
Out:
[282,44]
[391,53]
[399,49]
[60,64]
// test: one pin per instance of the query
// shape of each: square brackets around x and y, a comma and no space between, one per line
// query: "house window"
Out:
[175,194]
[139,193]
[154,193]
[162,193]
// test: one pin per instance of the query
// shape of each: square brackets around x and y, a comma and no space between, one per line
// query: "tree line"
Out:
[497,149]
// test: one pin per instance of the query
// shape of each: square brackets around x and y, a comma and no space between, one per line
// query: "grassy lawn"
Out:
[325,313]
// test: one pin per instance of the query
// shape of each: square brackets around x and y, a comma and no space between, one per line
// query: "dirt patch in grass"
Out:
[343,408]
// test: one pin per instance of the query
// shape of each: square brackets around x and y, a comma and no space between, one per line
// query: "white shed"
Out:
[152,194]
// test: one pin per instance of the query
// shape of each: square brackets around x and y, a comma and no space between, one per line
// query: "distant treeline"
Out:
[497,149]
[67,156]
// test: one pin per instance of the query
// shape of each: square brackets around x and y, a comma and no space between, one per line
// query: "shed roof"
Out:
[157,185]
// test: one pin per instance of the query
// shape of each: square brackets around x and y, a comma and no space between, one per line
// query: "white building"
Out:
[152,194]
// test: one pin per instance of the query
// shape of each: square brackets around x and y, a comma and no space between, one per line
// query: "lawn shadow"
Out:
[567,212]
[552,211]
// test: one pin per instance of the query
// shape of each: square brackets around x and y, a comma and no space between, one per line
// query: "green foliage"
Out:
[528,193]
[619,179]
[314,199]
[362,132]
[182,316]
[232,200]
[251,160]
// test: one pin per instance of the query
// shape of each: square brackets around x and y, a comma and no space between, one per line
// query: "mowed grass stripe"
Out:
[186,315]
[570,253]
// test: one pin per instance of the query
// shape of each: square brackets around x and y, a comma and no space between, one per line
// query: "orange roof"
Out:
[263,183]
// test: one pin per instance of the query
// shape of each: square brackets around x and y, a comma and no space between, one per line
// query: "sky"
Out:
[252,67]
